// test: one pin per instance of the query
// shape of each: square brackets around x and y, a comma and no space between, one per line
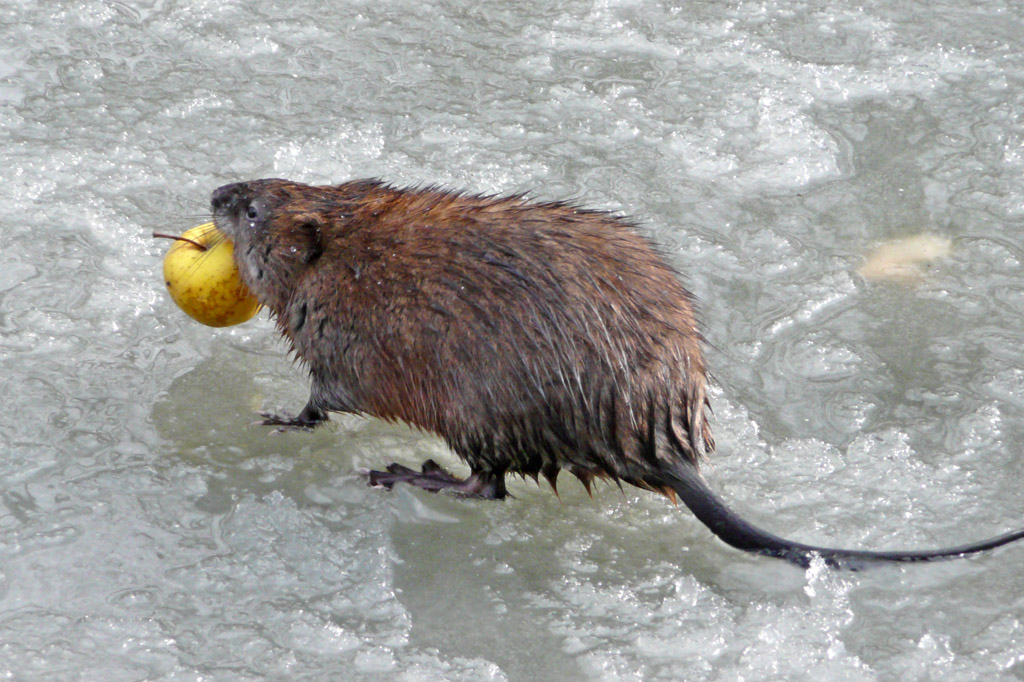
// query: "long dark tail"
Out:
[688,484]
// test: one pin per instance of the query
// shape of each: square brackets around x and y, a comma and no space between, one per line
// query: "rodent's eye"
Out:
[256,212]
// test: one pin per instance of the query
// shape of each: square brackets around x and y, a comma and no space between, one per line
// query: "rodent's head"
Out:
[276,228]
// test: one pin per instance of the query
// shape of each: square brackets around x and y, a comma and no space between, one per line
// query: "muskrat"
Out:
[531,336]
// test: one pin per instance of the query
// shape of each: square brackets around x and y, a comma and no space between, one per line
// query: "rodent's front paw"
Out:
[286,422]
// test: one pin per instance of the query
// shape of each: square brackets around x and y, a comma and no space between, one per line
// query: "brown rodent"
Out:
[532,337]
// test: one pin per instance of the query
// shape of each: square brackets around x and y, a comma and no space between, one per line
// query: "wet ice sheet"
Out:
[148,531]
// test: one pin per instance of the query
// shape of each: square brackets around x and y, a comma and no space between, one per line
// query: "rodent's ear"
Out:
[311,224]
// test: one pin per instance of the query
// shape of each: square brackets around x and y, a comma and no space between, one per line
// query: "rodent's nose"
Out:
[225,198]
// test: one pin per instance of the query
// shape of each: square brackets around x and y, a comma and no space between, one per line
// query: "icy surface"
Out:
[149,531]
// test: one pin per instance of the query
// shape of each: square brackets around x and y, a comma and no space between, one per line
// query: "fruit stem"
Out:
[161,235]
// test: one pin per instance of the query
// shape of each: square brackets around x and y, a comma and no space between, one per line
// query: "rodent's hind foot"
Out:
[432,477]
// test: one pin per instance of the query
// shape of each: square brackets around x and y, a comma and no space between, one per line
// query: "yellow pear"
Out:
[203,280]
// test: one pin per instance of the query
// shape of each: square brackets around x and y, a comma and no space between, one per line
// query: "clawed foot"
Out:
[433,478]
[285,422]
[307,420]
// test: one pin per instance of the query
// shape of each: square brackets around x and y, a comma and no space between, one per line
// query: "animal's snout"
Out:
[225,199]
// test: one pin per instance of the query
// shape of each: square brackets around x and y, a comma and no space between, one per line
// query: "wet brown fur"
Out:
[448,311]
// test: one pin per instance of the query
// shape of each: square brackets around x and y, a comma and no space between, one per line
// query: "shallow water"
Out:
[149,531]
